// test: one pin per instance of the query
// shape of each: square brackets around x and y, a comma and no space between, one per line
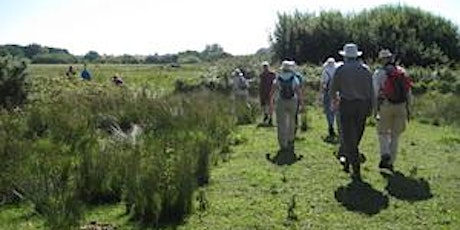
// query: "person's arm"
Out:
[272,96]
[324,80]
[300,94]
[334,87]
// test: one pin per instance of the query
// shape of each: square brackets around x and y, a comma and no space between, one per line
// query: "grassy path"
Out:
[249,192]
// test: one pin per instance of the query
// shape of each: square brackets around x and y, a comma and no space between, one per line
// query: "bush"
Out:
[13,82]
[438,109]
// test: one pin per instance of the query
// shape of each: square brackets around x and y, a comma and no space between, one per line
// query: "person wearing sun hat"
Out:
[352,92]
[287,94]
[392,115]
[326,77]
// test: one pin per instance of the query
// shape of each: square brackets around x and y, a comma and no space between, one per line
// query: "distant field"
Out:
[151,76]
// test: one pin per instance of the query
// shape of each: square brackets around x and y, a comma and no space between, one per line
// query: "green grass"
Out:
[249,192]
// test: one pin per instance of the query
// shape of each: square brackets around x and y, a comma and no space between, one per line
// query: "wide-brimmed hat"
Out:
[385,53]
[350,50]
[287,65]
[265,63]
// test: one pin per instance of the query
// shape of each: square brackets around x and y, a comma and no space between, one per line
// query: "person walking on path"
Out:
[240,95]
[287,95]
[392,89]
[327,74]
[351,91]
[265,84]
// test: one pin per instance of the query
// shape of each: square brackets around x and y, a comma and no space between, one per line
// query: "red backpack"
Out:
[397,85]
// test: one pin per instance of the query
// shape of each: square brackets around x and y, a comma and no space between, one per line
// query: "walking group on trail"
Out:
[351,94]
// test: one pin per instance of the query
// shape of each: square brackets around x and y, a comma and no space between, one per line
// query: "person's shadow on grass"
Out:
[407,188]
[360,196]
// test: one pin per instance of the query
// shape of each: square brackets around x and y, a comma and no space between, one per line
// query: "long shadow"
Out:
[360,196]
[407,188]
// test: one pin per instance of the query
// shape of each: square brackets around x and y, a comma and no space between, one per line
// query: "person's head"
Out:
[350,51]
[330,62]
[385,56]
[237,72]
[287,66]
[265,65]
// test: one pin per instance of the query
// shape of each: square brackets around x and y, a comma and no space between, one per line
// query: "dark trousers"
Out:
[353,114]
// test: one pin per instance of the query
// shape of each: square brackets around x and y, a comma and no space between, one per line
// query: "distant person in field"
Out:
[352,93]
[327,74]
[117,80]
[392,89]
[240,94]
[85,74]
[71,72]
[265,84]
[240,86]
[286,94]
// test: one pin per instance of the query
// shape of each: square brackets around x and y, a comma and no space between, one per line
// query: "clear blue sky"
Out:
[150,26]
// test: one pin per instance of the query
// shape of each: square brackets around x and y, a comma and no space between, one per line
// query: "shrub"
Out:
[13,82]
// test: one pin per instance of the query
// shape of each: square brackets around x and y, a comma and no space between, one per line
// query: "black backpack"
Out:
[286,88]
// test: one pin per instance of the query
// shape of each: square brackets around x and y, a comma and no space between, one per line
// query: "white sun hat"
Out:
[385,53]
[329,61]
[350,50]
[287,65]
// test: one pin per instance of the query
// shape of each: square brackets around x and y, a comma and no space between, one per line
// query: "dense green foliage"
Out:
[13,82]
[415,36]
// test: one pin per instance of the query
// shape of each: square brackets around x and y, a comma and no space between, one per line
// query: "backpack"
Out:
[286,88]
[242,83]
[396,86]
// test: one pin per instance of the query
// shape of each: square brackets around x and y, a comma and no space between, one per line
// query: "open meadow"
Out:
[71,157]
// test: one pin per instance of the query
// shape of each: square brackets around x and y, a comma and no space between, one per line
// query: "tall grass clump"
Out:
[79,143]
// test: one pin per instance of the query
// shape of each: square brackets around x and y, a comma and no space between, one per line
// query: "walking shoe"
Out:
[385,162]
[331,132]
[265,119]
[362,158]
[270,123]
[346,166]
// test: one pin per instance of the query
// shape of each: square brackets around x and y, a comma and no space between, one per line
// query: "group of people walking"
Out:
[351,94]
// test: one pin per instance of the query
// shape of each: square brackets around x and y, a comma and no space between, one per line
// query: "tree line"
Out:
[48,55]
[417,37]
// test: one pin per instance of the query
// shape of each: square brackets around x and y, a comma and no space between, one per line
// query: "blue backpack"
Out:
[287,90]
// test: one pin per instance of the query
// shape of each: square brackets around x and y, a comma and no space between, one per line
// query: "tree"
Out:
[212,52]
[34,49]
[415,36]
[92,56]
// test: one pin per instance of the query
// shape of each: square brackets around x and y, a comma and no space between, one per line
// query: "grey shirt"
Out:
[353,81]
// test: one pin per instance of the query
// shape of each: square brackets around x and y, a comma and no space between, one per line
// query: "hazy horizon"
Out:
[142,27]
